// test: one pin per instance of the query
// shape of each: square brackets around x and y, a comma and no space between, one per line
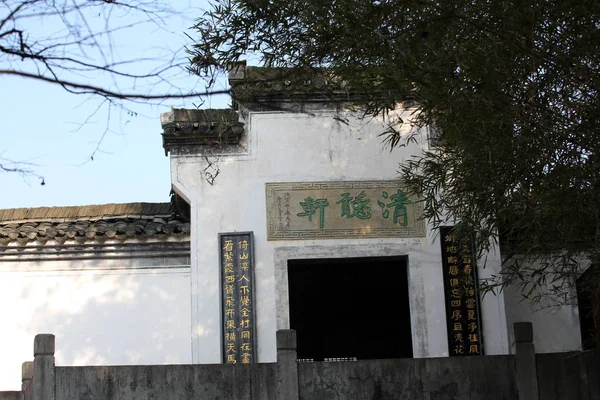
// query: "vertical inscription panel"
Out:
[334,210]
[462,297]
[237,295]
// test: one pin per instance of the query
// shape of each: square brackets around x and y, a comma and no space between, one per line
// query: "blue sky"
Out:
[44,125]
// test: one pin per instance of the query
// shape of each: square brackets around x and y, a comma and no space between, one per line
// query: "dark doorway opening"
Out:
[350,308]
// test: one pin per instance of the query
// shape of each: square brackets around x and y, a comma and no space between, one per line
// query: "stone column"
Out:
[527,383]
[287,367]
[43,367]
[26,376]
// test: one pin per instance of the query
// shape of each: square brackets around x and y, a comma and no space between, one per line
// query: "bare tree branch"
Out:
[23,168]
[80,88]
[78,46]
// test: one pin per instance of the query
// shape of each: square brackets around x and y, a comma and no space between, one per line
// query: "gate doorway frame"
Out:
[422,310]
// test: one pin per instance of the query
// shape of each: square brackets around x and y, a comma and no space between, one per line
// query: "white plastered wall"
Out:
[102,311]
[297,147]
[556,326]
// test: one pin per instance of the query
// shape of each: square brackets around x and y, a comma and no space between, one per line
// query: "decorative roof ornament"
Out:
[184,129]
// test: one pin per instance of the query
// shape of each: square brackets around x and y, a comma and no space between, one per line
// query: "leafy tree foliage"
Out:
[512,88]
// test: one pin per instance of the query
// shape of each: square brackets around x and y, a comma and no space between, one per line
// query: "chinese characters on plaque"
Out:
[237,293]
[462,299]
[333,210]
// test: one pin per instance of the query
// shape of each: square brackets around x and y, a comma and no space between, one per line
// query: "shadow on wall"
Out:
[102,316]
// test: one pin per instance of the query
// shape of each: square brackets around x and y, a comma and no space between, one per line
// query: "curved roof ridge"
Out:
[85,212]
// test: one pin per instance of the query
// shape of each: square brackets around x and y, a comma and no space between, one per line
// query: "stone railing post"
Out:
[26,376]
[43,367]
[287,367]
[527,383]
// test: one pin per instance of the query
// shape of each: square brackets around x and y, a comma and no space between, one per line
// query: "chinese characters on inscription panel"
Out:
[238,307]
[350,205]
[464,327]
[284,216]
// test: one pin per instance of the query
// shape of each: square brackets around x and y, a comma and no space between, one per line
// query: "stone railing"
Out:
[522,376]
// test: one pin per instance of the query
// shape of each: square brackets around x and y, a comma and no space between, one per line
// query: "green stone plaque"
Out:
[337,210]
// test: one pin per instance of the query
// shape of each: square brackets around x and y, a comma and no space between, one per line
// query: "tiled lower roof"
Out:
[87,223]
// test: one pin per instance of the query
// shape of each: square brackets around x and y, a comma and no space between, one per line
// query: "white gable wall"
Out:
[297,147]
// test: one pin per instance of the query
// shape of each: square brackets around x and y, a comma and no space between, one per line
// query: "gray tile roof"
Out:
[91,223]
